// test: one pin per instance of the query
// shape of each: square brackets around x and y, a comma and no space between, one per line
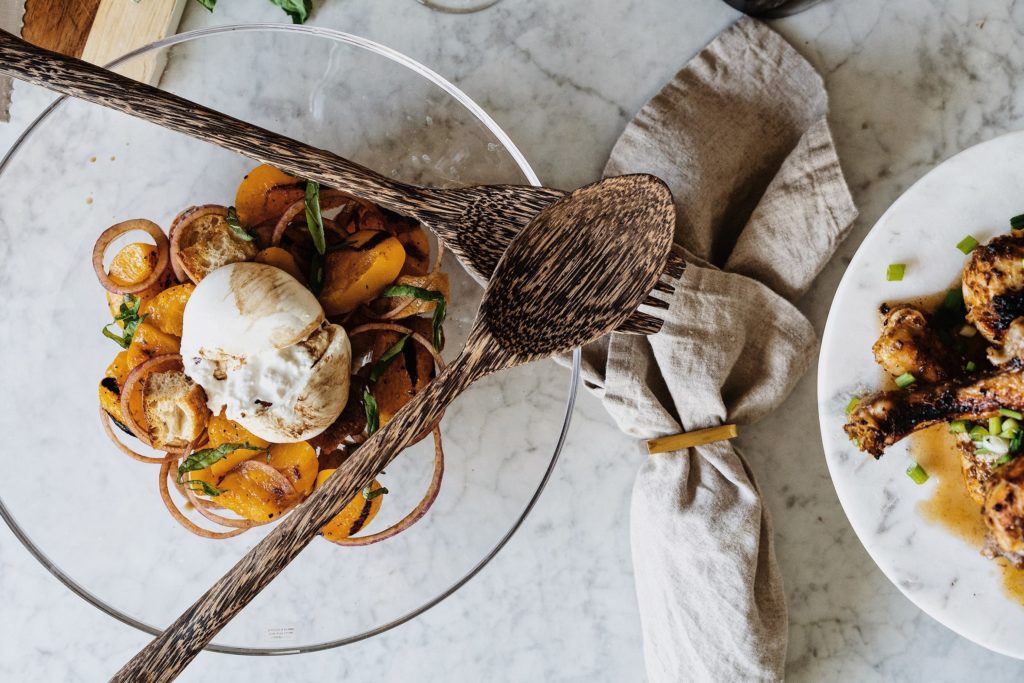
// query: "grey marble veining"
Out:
[911,82]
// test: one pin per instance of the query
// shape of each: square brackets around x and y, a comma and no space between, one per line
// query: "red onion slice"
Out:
[417,512]
[99,250]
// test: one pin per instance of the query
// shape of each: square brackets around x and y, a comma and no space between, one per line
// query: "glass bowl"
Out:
[92,516]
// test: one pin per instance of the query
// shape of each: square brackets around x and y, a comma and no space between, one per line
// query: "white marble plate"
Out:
[975,192]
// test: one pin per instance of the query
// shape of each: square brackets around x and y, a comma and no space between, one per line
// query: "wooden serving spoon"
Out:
[573,274]
[476,222]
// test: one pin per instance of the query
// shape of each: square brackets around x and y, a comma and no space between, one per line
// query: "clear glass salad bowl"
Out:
[94,517]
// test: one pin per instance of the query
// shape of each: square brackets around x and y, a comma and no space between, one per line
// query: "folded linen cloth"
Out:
[741,138]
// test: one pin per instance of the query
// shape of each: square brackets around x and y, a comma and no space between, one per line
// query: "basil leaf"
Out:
[372,414]
[440,309]
[208,4]
[389,356]
[298,10]
[207,489]
[314,221]
[236,227]
[316,273]
[121,340]
[369,494]
[200,460]
[128,315]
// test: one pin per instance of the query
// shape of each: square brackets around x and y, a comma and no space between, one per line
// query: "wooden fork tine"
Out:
[654,302]
[664,287]
[645,323]
[641,323]
[675,265]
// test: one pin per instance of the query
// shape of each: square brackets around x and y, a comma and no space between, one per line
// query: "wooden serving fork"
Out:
[476,223]
[573,274]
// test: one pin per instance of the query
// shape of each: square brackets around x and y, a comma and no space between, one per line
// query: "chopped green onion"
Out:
[967,244]
[1011,426]
[1017,222]
[917,473]
[968,331]
[905,380]
[995,425]
[971,366]
[895,271]
[958,427]
[995,444]
[978,433]
[852,404]
[1006,412]
[1004,459]
[982,451]
[855,442]
[954,298]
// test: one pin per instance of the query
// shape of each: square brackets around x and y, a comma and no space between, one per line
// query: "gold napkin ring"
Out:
[676,442]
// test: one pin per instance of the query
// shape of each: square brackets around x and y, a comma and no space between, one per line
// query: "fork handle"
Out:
[92,83]
[170,652]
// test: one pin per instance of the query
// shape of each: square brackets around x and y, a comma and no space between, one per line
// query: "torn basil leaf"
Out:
[314,221]
[440,308]
[298,10]
[200,460]
[200,485]
[128,315]
[389,356]
[236,226]
[372,413]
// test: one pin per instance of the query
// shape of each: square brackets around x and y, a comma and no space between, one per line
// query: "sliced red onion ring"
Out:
[180,518]
[181,220]
[162,363]
[180,226]
[121,446]
[417,512]
[99,250]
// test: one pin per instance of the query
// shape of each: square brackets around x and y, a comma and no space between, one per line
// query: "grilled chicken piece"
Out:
[909,344]
[883,418]
[993,285]
[1004,513]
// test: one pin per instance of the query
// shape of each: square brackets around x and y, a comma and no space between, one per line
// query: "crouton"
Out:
[209,243]
[175,409]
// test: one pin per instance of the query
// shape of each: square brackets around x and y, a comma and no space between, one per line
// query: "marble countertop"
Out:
[911,83]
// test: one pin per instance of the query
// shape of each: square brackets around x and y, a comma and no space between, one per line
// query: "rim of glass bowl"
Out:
[574,374]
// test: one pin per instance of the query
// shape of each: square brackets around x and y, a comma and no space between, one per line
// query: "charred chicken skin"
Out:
[883,418]
[993,285]
[909,344]
[1004,512]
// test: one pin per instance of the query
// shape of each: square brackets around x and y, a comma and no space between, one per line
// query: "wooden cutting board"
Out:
[99,31]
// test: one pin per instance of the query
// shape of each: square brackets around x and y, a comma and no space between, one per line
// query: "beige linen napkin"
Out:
[741,138]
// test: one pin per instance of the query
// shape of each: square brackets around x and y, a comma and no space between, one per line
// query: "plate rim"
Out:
[822,391]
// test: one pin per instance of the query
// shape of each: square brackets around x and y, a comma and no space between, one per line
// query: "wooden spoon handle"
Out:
[170,652]
[95,84]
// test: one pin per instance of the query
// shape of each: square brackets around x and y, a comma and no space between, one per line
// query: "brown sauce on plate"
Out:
[950,506]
